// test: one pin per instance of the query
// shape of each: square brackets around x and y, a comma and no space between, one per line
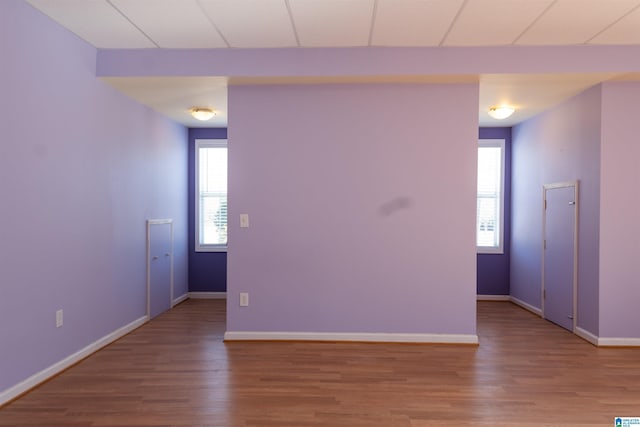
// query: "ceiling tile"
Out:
[494,22]
[332,22]
[413,22]
[625,31]
[95,21]
[575,21]
[252,23]
[172,23]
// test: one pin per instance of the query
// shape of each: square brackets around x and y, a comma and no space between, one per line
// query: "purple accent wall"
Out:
[207,270]
[493,269]
[562,144]
[77,184]
[367,228]
[620,211]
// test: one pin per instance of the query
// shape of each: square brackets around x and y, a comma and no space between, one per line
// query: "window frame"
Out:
[500,222]
[207,143]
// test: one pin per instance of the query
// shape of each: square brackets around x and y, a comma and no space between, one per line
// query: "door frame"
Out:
[151,222]
[576,186]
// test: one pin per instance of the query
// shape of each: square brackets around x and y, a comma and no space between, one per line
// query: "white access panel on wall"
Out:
[159,266]
[560,256]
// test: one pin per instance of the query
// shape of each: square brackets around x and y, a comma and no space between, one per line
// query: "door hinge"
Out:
[545,204]
[545,243]
[544,294]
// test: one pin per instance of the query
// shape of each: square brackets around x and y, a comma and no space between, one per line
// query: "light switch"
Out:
[244,299]
[244,220]
[59,318]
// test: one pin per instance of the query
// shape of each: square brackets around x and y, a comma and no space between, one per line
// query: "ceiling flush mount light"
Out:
[502,112]
[203,114]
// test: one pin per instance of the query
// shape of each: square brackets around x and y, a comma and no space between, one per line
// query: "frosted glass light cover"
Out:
[202,113]
[501,113]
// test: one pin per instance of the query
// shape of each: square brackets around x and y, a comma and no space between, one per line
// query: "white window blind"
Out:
[211,195]
[490,206]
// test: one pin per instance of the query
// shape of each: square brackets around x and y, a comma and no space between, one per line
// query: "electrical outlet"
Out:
[244,220]
[244,299]
[58,318]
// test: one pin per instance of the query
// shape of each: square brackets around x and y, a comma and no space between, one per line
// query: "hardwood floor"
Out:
[176,371]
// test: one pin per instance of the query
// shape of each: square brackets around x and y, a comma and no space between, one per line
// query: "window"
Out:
[490,207]
[211,195]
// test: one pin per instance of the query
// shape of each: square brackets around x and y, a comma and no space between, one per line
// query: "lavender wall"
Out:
[562,144]
[77,183]
[368,61]
[368,227]
[620,211]
[493,269]
[207,270]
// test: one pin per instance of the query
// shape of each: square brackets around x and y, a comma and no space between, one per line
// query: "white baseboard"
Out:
[586,335]
[208,295]
[526,306]
[618,342]
[180,299]
[26,385]
[493,298]
[353,337]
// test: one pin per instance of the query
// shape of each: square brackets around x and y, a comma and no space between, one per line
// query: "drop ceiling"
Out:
[233,24]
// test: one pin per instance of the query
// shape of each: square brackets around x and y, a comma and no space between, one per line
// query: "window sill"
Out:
[490,251]
[211,249]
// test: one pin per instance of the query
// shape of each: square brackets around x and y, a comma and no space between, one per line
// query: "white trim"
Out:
[53,370]
[526,306]
[200,143]
[607,342]
[586,335]
[353,337]
[208,295]
[180,299]
[160,221]
[543,247]
[500,248]
[560,185]
[619,342]
[493,298]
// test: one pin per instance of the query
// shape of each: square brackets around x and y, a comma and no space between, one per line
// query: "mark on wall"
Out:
[394,206]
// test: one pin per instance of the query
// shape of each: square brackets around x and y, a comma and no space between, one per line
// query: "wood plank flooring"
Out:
[176,371]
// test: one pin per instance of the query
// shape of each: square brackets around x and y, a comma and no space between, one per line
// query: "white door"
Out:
[159,266]
[559,275]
